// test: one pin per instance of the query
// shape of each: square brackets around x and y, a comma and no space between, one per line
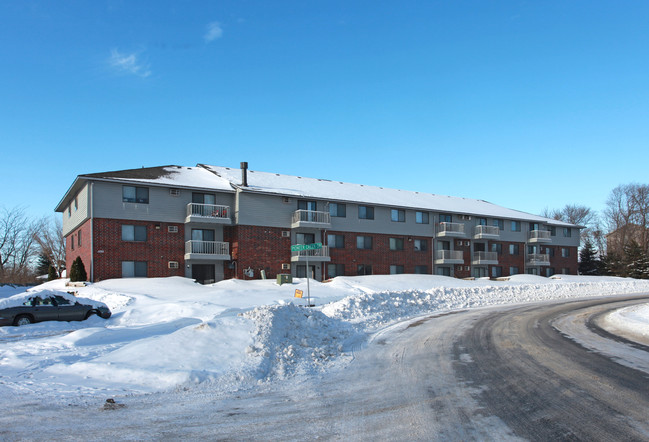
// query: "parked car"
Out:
[48,305]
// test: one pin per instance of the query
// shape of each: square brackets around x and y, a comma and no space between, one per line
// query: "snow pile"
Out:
[632,321]
[22,299]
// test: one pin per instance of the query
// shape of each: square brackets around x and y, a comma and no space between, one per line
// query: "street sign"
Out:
[298,293]
[300,247]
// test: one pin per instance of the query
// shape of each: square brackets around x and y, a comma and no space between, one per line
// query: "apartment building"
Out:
[212,223]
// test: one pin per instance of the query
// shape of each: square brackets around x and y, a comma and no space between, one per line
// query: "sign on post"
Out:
[298,293]
[300,248]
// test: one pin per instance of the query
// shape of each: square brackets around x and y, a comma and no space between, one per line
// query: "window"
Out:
[132,194]
[365,212]
[567,232]
[565,271]
[532,271]
[480,272]
[516,226]
[482,221]
[79,238]
[553,231]
[396,269]
[336,241]
[444,245]
[513,270]
[445,218]
[549,271]
[398,215]
[514,249]
[337,209]
[550,251]
[444,271]
[305,238]
[69,210]
[133,233]
[565,252]
[307,205]
[421,217]
[498,248]
[496,272]
[334,270]
[396,243]
[203,198]
[498,223]
[364,269]
[76,203]
[535,226]
[134,269]
[421,270]
[72,241]
[421,245]
[363,242]
[202,235]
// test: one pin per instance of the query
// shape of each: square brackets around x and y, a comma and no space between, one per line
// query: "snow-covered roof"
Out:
[302,187]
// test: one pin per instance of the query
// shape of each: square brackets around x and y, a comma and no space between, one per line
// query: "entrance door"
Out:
[300,271]
[203,273]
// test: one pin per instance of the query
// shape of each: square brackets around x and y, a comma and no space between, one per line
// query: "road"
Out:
[499,373]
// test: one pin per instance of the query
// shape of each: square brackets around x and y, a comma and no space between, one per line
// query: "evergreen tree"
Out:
[51,274]
[43,265]
[588,262]
[612,265]
[636,262]
[78,271]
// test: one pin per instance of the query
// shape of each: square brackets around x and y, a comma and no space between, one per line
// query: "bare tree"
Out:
[627,216]
[579,215]
[17,245]
[52,243]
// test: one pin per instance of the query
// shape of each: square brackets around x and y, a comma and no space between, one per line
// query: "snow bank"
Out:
[632,321]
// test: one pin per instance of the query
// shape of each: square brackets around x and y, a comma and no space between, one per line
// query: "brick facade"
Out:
[258,248]
[74,249]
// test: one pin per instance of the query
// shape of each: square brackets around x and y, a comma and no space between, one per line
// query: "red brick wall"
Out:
[82,250]
[571,262]
[258,248]
[380,257]
[505,260]
[159,248]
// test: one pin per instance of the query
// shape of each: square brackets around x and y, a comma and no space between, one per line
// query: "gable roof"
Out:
[302,187]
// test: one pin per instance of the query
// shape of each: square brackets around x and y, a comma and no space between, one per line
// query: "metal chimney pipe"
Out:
[244,174]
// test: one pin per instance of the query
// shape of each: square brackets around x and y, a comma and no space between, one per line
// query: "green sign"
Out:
[300,247]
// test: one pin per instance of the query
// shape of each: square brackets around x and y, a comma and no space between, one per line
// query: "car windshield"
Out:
[60,300]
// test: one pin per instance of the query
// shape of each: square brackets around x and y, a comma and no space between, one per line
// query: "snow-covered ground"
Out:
[171,333]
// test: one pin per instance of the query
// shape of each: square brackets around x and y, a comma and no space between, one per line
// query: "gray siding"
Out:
[74,217]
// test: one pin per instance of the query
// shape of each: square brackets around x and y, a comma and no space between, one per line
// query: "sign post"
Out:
[307,248]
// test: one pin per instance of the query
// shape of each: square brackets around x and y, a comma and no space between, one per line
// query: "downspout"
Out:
[92,236]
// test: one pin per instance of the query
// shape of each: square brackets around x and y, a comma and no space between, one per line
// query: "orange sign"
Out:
[298,293]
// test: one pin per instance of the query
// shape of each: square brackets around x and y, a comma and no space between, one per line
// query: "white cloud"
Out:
[214,31]
[128,64]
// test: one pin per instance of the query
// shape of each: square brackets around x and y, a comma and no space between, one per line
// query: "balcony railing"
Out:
[207,250]
[485,258]
[311,255]
[310,218]
[208,213]
[450,229]
[538,259]
[486,232]
[449,257]
[539,236]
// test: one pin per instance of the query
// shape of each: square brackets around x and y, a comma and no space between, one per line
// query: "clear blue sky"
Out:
[527,104]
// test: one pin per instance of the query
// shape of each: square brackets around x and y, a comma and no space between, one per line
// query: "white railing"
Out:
[538,258]
[487,230]
[449,254]
[311,216]
[540,235]
[208,210]
[485,256]
[207,247]
[313,253]
[445,227]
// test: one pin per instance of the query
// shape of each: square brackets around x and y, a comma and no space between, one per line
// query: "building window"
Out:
[72,241]
[133,233]
[133,194]
[516,226]
[307,205]
[553,231]
[532,271]
[396,243]
[363,242]
[76,203]
[364,269]
[497,247]
[421,217]
[445,218]
[513,271]
[365,212]
[567,232]
[565,271]
[79,238]
[498,223]
[134,269]
[421,270]
[514,249]
[443,271]
[482,221]
[203,198]
[336,241]
[549,271]
[550,251]
[334,270]
[496,272]
[565,252]
[421,245]
[305,238]
[398,215]
[396,269]
[69,210]
[338,210]
[480,272]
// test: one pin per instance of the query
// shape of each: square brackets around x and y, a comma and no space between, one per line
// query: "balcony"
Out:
[486,232]
[451,229]
[539,236]
[210,250]
[311,255]
[208,213]
[485,258]
[449,257]
[538,259]
[310,218]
